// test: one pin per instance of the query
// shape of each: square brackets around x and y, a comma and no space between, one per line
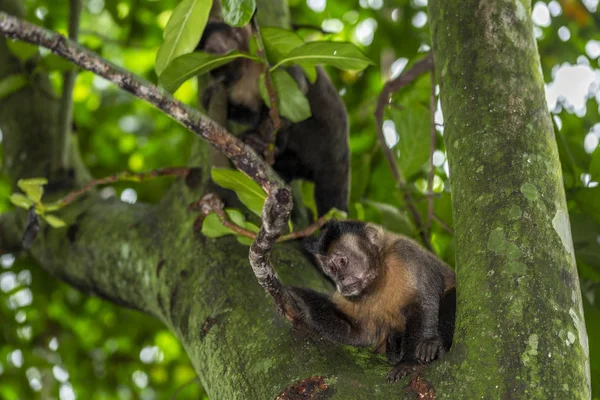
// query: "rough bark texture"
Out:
[521,320]
[520,326]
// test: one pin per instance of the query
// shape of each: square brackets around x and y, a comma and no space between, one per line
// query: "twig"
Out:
[423,65]
[274,109]
[122,176]
[309,230]
[211,203]
[431,151]
[66,100]
[443,224]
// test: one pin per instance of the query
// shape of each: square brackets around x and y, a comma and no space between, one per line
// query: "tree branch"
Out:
[274,108]
[279,198]
[420,67]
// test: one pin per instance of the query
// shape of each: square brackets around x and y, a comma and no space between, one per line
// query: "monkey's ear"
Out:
[374,234]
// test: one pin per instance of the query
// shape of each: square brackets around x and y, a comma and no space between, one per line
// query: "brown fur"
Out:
[379,310]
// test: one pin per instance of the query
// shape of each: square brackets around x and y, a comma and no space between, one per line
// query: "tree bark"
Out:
[520,327]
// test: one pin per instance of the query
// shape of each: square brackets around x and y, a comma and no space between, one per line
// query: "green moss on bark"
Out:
[517,280]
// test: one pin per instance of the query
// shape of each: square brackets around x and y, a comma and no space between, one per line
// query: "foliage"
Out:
[99,344]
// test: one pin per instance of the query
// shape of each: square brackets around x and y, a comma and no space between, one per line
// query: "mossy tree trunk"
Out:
[520,327]
[521,319]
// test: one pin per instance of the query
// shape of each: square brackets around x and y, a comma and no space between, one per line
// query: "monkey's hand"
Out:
[429,349]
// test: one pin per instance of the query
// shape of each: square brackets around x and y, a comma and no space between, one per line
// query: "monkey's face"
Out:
[351,264]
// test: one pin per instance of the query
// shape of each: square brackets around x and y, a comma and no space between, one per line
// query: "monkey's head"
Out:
[349,253]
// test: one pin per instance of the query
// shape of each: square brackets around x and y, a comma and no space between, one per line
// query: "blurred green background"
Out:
[58,343]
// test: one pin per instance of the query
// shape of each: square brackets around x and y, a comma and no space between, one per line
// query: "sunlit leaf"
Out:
[189,65]
[11,84]
[341,55]
[54,221]
[183,31]
[21,200]
[246,189]
[33,188]
[237,12]
[293,105]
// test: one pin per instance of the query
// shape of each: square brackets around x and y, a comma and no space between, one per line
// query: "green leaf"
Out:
[412,125]
[213,228]
[20,200]
[246,189]
[334,213]
[279,42]
[54,221]
[237,12]
[246,241]
[392,218]
[23,51]
[183,31]
[293,105]
[33,188]
[189,65]
[341,55]
[238,218]
[595,165]
[11,84]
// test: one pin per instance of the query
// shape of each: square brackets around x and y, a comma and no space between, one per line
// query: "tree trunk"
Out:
[506,180]
[520,329]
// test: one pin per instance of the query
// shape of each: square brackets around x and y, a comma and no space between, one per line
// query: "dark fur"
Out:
[408,311]
[315,149]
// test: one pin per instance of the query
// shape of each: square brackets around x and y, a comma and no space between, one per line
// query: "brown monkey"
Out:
[392,295]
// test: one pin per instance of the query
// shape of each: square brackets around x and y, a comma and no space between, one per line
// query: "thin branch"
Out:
[122,176]
[66,101]
[243,157]
[278,205]
[211,203]
[443,224]
[432,145]
[420,67]
[274,109]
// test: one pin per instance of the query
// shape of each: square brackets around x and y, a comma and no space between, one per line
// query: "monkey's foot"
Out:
[429,349]
[400,371]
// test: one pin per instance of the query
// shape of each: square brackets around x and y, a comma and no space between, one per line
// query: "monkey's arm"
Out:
[321,316]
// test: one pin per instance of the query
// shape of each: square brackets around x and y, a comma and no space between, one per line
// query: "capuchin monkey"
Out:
[315,149]
[392,295]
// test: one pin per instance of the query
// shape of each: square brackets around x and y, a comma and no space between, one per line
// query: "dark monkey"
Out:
[315,149]
[392,295]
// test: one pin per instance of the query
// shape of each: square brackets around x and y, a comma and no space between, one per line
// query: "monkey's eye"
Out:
[343,261]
